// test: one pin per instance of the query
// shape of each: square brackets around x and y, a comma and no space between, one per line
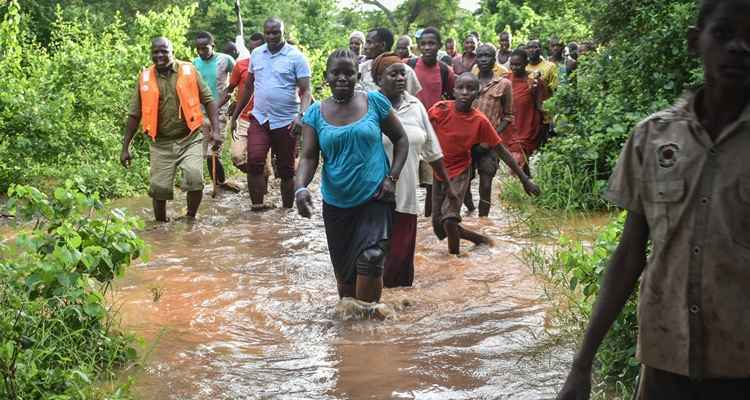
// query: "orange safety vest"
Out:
[187,92]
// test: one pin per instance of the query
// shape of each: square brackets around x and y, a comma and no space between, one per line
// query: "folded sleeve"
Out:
[487,133]
[625,184]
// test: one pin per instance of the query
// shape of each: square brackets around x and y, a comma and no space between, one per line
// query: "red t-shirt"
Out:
[458,132]
[432,86]
[239,79]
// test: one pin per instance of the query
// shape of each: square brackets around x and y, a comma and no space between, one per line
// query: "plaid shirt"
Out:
[495,100]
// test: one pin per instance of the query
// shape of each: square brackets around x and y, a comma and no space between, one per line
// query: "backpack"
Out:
[444,77]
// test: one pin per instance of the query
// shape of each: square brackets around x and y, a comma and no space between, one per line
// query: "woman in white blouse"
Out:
[389,72]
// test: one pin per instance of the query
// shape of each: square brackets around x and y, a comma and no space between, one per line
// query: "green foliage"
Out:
[634,74]
[564,19]
[57,340]
[575,271]
[63,107]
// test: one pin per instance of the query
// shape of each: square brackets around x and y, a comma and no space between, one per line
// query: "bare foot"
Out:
[230,187]
[261,207]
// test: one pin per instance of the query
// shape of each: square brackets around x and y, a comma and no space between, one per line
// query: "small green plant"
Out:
[573,271]
[57,338]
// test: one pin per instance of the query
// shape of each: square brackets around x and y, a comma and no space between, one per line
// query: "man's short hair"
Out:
[434,31]
[385,36]
[489,46]
[274,20]
[205,35]
[521,52]
[257,36]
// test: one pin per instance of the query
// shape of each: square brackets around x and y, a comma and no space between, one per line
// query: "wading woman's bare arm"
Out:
[308,164]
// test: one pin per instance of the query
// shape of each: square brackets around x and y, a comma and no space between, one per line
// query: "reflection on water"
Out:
[242,305]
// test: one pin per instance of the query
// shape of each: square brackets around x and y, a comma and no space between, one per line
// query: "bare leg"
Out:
[287,192]
[346,290]
[256,186]
[474,237]
[369,289]
[454,235]
[160,210]
[193,202]
[469,201]
[428,201]
[485,194]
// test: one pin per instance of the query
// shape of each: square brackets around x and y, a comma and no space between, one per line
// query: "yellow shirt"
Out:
[498,71]
[548,71]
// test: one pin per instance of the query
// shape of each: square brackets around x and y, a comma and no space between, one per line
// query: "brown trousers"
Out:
[661,385]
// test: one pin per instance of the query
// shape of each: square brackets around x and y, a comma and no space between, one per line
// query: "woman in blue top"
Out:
[357,182]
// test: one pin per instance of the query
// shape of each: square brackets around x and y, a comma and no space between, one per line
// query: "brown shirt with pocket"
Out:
[694,307]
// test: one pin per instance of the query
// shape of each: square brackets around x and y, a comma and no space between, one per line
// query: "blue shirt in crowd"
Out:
[354,160]
[276,98]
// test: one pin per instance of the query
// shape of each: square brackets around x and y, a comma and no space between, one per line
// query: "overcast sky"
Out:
[391,4]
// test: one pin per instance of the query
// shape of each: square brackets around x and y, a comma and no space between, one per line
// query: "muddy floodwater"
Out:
[241,305]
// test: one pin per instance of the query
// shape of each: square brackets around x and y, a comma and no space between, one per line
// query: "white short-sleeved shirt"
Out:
[423,143]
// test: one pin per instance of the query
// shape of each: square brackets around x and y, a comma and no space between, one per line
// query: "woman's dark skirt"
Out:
[350,231]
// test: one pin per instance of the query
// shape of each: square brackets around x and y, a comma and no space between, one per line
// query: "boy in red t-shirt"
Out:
[459,127]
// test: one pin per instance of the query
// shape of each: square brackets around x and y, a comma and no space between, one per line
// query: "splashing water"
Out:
[243,305]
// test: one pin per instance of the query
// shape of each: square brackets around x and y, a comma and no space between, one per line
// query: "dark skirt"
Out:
[350,231]
[399,265]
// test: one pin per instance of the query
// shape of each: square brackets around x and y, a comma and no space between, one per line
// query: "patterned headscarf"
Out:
[382,62]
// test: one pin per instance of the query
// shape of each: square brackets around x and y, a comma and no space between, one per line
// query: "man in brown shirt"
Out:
[175,146]
[684,178]
[495,101]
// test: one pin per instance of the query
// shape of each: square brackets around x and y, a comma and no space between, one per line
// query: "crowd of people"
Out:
[396,121]
[440,119]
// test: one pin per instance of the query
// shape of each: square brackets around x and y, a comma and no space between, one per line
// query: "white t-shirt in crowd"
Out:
[422,143]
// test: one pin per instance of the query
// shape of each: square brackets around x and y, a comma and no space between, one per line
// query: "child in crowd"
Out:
[459,127]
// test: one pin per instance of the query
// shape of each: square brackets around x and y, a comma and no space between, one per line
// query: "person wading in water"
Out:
[280,82]
[167,103]
[390,74]
[357,184]
[495,101]
[459,127]
[683,178]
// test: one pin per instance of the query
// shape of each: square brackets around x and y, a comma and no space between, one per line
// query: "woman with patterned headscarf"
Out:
[389,73]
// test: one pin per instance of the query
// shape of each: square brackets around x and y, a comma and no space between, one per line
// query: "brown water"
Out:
[245,310]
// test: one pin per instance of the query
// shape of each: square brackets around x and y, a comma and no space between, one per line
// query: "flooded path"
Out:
[241,306]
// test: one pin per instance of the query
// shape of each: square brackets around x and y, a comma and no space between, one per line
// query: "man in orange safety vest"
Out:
[167,105]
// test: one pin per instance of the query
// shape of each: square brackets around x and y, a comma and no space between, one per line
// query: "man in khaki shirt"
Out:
[175,146]
[685,180]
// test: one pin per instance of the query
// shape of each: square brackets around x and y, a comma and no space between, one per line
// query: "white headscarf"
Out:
[357,34]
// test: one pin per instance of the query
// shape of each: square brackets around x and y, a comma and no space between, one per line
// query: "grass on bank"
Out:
[58,338]
[571,256]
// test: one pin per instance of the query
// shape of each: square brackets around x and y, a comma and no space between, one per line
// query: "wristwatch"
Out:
[393,179]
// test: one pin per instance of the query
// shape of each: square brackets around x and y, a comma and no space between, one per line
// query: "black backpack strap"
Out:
[444,78]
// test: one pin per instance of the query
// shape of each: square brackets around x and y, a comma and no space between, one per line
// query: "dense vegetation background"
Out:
[69,70]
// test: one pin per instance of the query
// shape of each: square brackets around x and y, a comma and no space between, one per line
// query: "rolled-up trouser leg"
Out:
[371,262]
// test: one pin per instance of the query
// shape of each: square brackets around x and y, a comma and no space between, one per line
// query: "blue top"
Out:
[276,98]
[354,160]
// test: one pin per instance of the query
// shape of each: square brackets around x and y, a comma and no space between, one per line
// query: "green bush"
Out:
[636,72]
[63,107]
[574,271]
[57,338]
